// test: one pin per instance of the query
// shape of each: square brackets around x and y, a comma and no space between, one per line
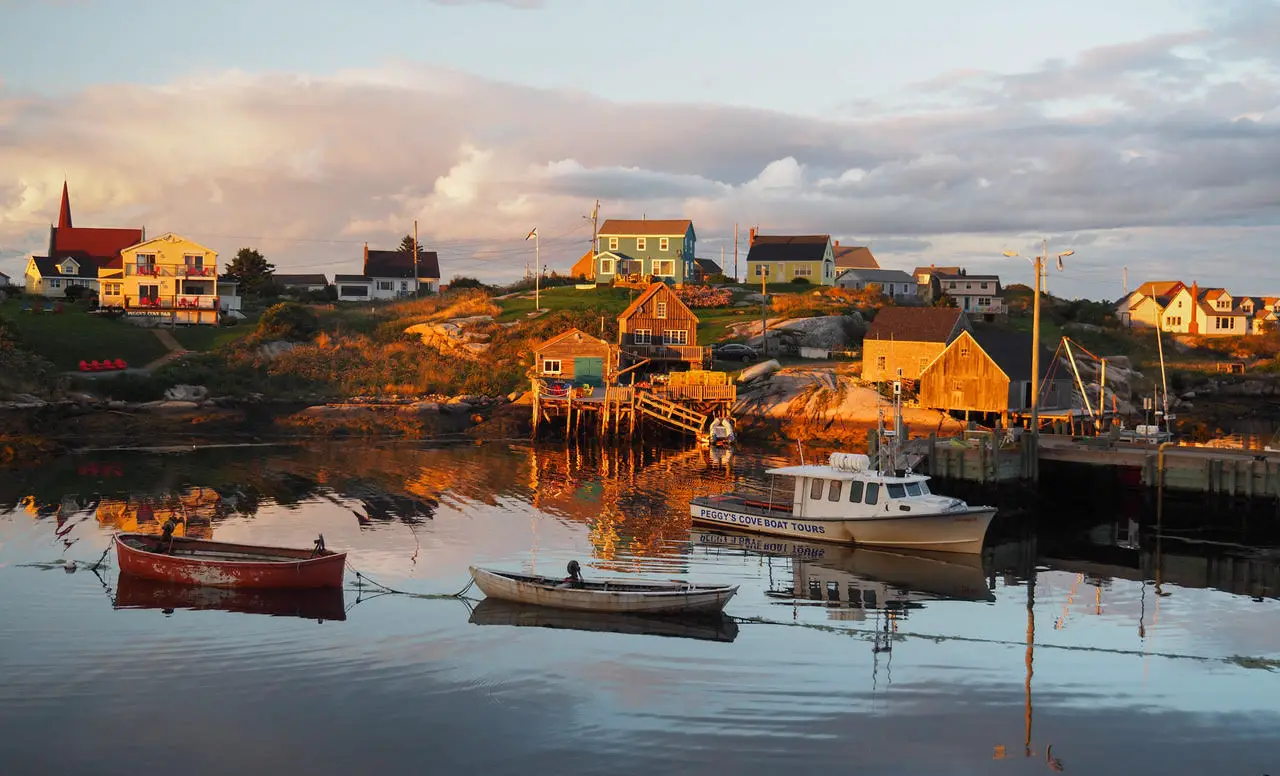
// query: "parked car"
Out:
[734,351]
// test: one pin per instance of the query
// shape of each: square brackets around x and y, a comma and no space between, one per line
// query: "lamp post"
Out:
[1035,332]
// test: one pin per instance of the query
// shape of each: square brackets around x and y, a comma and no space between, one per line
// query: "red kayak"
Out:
[185,561]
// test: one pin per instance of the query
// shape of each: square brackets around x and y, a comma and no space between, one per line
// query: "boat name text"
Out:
[760,522]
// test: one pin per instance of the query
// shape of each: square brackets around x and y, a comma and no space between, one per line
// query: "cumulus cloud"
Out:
[1150,141]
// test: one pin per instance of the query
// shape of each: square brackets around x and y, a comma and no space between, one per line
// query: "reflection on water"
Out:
[1124,648]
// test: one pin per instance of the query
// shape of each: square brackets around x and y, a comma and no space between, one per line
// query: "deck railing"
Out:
[169,271]
[661,352]
[697,392]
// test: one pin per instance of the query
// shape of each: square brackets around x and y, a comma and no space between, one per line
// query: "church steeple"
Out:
[64,213]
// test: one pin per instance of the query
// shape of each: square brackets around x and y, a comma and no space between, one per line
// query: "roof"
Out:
[854,257]
[646,295]
[313,279]
[882,275]
[915,324]
[101,246]
[932,270]
[564,335]
[585,266]
[645,227]
[87,268]
[399,264]
[708,266]
[1159,288]
[789,247]
[826,472]
[1209,294]
[962,275]
[352,279]
[1011,350]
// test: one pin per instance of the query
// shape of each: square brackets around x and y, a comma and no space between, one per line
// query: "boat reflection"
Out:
[851,580]
[492,611]
[316,604]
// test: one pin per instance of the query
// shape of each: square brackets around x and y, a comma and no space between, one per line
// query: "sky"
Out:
[1142,135]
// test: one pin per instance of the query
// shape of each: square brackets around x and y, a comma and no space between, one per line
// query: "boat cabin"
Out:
[849,487]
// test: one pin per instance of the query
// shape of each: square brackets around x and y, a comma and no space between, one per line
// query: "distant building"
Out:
[584,268]
[46,277]
[902,341]
[576,356]
[306,282]
[1210,312]
[660,327]
[1146,304]
[76,253]
[852,257]
[703,269]
[168,277]
[780,258]
[893,283]
[977,295]
[645,250]
[390,275]
[4,280]
[929,290]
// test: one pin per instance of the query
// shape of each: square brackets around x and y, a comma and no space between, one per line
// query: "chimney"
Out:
[837,244]
[364,268]
[752,237]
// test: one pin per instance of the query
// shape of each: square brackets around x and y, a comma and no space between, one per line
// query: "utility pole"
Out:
[1040,264]
[1126,281]
[735,253]
[764,313]
[722,260]
[595,235]
[416,288]
[537,269]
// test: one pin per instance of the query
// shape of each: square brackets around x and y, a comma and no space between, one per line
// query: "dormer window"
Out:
[69,267]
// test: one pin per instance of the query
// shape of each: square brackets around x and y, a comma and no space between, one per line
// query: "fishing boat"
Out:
[614,595]
[186,561]
[492,611]
[319,604]
[849,500]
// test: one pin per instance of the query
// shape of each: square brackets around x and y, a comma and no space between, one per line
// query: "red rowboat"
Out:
[187,561]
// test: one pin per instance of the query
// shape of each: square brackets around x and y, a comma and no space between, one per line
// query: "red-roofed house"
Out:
[1210,312]
[76,253]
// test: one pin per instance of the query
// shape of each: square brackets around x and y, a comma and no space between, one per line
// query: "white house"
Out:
[305,282]
[47,277]
[229,299]
[390,275]
[975,294]
[353,288]
[4,280]
[893,283]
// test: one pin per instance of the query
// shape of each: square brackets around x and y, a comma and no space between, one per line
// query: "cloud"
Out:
[1129,149]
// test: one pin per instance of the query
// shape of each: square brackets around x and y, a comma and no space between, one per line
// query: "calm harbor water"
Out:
[1083,639]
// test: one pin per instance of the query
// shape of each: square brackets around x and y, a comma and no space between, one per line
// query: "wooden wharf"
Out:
[624,410]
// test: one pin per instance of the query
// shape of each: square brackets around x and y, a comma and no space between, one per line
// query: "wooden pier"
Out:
[621,410]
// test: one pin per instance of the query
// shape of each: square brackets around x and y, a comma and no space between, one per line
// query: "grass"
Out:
[72,336]
[204,338]
[609,301]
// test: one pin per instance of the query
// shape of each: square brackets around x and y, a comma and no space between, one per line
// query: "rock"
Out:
[272,350]
[116,404]
[169,406]
[1188,395]
[745,303]
[425,406]
[1074,326]
[1118,362]
[459,407]
[758,371]
[514,396]
[187,393]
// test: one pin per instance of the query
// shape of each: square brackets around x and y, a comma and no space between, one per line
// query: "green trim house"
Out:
[787,258]
[644,251]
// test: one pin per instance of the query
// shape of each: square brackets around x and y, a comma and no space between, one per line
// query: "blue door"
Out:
[588,371]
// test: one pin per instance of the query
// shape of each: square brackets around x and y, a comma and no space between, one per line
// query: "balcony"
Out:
[169,271]
[694,354]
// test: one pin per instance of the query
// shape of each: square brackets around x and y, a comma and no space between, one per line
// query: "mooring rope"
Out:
[362,578]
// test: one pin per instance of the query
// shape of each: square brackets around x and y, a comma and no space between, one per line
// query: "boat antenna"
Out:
[800,447]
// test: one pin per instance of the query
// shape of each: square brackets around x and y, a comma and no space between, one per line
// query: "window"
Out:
[663,244]
[68,267]
[606,266]
[551,366]
[660,310]
[957,386]
[964,350]
[896,490]
[642,337]
[873,493]
[802,271]
[924,489]
[833,493]
[149,292]
[384,285]
[146,258]
[55,282]
[613,243]
[881,362]
[675,337]
[815,489]
[952,285]
[664,268]
[194,259]
[913,489]
[641,243]
[924,362]
[855,491]
[984,301]
[762,270]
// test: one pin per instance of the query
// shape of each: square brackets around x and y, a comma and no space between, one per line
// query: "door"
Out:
[588,371]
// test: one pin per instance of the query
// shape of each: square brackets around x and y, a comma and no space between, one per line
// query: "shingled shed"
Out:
[576,356]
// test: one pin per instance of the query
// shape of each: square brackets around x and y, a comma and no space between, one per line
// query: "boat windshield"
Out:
[896,490]
[913,489]
[924,488]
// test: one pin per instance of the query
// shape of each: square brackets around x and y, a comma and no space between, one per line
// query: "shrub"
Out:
[460,282]
[704,296]
[800,281]
[76,293]
[287,321]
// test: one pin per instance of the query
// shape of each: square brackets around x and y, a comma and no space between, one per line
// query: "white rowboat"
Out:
[640,597]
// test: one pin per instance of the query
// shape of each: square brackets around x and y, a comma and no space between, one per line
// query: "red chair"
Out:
[121,364]
[108,364]
[84,366]
[94,366]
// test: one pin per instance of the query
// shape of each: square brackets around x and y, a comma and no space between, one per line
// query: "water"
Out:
[1058,638]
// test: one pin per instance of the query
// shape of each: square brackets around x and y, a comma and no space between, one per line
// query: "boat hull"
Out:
[957,531]
[278,567]
[711,627]
[661,598]
[326,603]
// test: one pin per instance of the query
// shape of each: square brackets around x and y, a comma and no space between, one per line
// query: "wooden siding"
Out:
[566,350]
[678,317]
[964,377]
[897,355]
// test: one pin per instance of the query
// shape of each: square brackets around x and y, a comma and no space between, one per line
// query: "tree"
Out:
[406,245]
[252,270]
[287,321]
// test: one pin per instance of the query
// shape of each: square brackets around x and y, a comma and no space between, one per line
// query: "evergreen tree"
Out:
[251,269]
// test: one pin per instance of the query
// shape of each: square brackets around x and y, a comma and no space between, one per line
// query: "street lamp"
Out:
[1038,261]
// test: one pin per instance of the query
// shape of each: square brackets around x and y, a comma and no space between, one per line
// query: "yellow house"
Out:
[169,277]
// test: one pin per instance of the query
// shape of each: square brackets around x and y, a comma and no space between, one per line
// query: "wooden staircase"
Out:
[674,415]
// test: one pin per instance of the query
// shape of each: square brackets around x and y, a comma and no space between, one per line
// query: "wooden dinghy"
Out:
[187,561]
[323,603]
[716,627]
[639,597]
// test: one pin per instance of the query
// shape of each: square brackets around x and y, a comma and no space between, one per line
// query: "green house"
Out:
[787,258]
[645,251]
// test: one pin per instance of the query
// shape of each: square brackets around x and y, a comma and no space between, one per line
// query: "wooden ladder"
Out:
[670,413]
